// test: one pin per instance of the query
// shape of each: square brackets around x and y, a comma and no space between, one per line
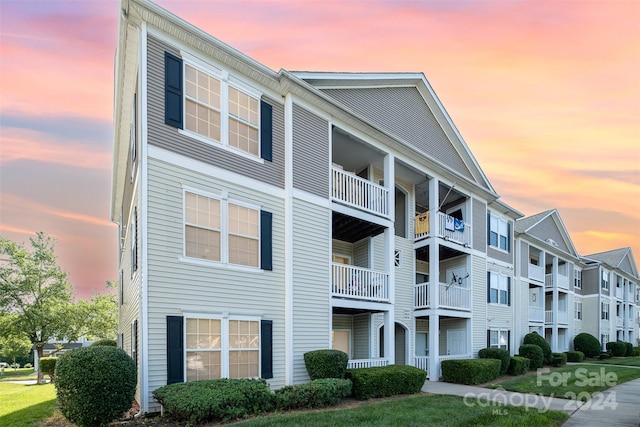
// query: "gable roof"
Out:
[621,259]
[549,228]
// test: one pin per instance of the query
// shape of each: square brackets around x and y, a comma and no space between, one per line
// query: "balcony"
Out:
[454,230]
[366,363]
[536,272]
[618,293]
[449,296]
[536,314]
[560,280]
[562,317]
[360,283]
[619,321]
[359,193]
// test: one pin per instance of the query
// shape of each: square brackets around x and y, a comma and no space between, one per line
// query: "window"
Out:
[225,231]
[605,311]
[605,280]
[499,288]
[133,136]
[498,338]
[578,310]
[121,287]
[134,341]
[499,232]
[222,348]
[212,105]
[134,241]
[577,278]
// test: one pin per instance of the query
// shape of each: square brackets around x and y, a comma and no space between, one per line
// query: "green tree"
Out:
[35,295]
[95,319]
[14,347]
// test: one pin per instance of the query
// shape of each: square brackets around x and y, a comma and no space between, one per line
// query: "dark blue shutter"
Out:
[508,290]
[488,338]
[488,229]
[266,131]
[266,240]
[173,90]
[488,286]
[175,350]
[266,348]
[509,341]
[509,237]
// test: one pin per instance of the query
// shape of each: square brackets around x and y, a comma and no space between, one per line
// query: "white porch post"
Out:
[434,283]
[554,305]
[434,348]
[389,260]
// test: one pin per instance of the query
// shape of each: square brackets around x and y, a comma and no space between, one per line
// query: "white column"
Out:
[554,305]
[434,283]
[288,242]
[389,260]
[434,348]
[389,336]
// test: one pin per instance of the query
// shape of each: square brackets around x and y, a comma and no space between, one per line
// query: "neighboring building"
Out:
[610,293]
[266,214]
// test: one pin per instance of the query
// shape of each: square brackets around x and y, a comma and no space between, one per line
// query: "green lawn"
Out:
[623,361]
[576,382]
[11,374]
[424,410]
[24,405]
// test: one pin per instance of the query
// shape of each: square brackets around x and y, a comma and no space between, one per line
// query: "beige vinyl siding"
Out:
[177,286]
[479,225]
[311,282]
[361,334]
[310,153]
[169,138]
[479,304]
[403,112]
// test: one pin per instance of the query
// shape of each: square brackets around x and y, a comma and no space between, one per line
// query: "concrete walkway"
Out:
[618,406]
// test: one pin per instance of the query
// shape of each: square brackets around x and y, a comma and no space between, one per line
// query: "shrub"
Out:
[574,356]
[497,353]
[518,365]
[604,355]
[470,371]
[316,394]
[385,381]
[326,364]
[534,338]
[587,343]
[629,352]
[213,400]
[636,351]
[109,343]
[533,353]
[48,366]
[616,348]
[28,365]
[15,365]
[558,359]
[95,385]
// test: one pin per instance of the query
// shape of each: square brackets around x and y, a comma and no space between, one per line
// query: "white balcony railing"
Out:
[536,272]
[359,283]
[366,363]
[619,321]
[562,316]
[456,231]
[618,293]
[536,314]
[358,192]
[563,281]
[421,362]
[455,297]
[421,295]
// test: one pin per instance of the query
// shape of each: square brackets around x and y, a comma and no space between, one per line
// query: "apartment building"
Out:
[265,214]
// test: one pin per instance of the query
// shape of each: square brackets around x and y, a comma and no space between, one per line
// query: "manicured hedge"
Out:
[636,351]
[48,366]
[109,343]
[604,355]
[558,359]
[587,343]
[326,364]
[518,365]
[215,400]
[533,353]
[316,394]
[574,356]
[535,339]
[616,348]
[470,371]
[497,353]
[385,381]
[629,352]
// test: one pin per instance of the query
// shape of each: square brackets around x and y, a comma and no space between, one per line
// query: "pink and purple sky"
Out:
[545,93]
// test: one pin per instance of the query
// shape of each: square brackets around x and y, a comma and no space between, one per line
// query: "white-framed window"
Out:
[133,135]
[220,110]
[134,241]
[605,311]
[498,233]
[605,280]
[221,230]
[499,338]
[499,288]
[577,278]
[222,347]
[577,310]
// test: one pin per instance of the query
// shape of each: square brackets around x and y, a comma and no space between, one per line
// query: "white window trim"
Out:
[499,286]
[500,332]
[577,278]
[224,339]
[226,81]
[577,312]
[224,230]
[605,309]
[499,219]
